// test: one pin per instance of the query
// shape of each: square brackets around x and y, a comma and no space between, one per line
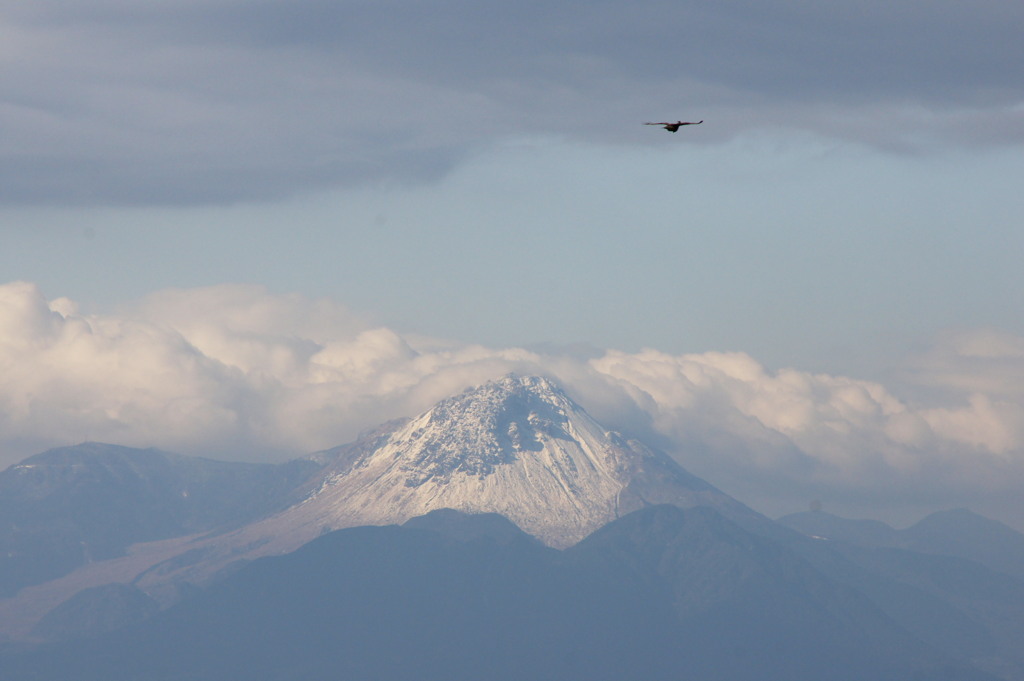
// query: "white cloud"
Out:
[237,372]
[979,374]
[66,377]
[986,361]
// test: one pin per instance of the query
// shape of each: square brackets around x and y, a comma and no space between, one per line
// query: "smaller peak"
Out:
[466,527]
[961,520]
[89,451]
[661,526]
[824,525]
[957,514]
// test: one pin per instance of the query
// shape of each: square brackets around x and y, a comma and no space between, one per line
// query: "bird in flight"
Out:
[672,127]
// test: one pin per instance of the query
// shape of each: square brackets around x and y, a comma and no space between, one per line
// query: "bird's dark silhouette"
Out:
[672,127]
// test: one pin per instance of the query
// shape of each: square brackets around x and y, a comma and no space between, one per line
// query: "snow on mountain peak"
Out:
[482,428]
[517,446]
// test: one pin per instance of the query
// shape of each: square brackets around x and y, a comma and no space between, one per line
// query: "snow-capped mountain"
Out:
[518,446]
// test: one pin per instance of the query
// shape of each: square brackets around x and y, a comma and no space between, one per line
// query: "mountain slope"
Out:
[965,534]
[728,584]
[953,579]
[73,505]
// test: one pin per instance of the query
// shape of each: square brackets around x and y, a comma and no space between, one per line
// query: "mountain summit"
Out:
[518,446]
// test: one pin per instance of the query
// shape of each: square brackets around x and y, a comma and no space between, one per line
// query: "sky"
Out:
[249,229]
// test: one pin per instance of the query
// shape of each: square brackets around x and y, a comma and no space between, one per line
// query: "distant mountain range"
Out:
[503,534]
[957,532]
[67,507]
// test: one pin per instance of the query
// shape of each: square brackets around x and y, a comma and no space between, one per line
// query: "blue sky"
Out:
[805,252]
[476,175]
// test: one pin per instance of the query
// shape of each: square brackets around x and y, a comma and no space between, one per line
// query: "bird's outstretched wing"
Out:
[673,127]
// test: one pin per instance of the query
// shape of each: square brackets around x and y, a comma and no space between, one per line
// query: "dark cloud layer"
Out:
[218,100]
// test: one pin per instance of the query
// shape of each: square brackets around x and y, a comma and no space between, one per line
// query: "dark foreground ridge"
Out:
[662,593]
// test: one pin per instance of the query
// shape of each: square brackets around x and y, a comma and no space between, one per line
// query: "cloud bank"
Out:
[226,100]
[237,372]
